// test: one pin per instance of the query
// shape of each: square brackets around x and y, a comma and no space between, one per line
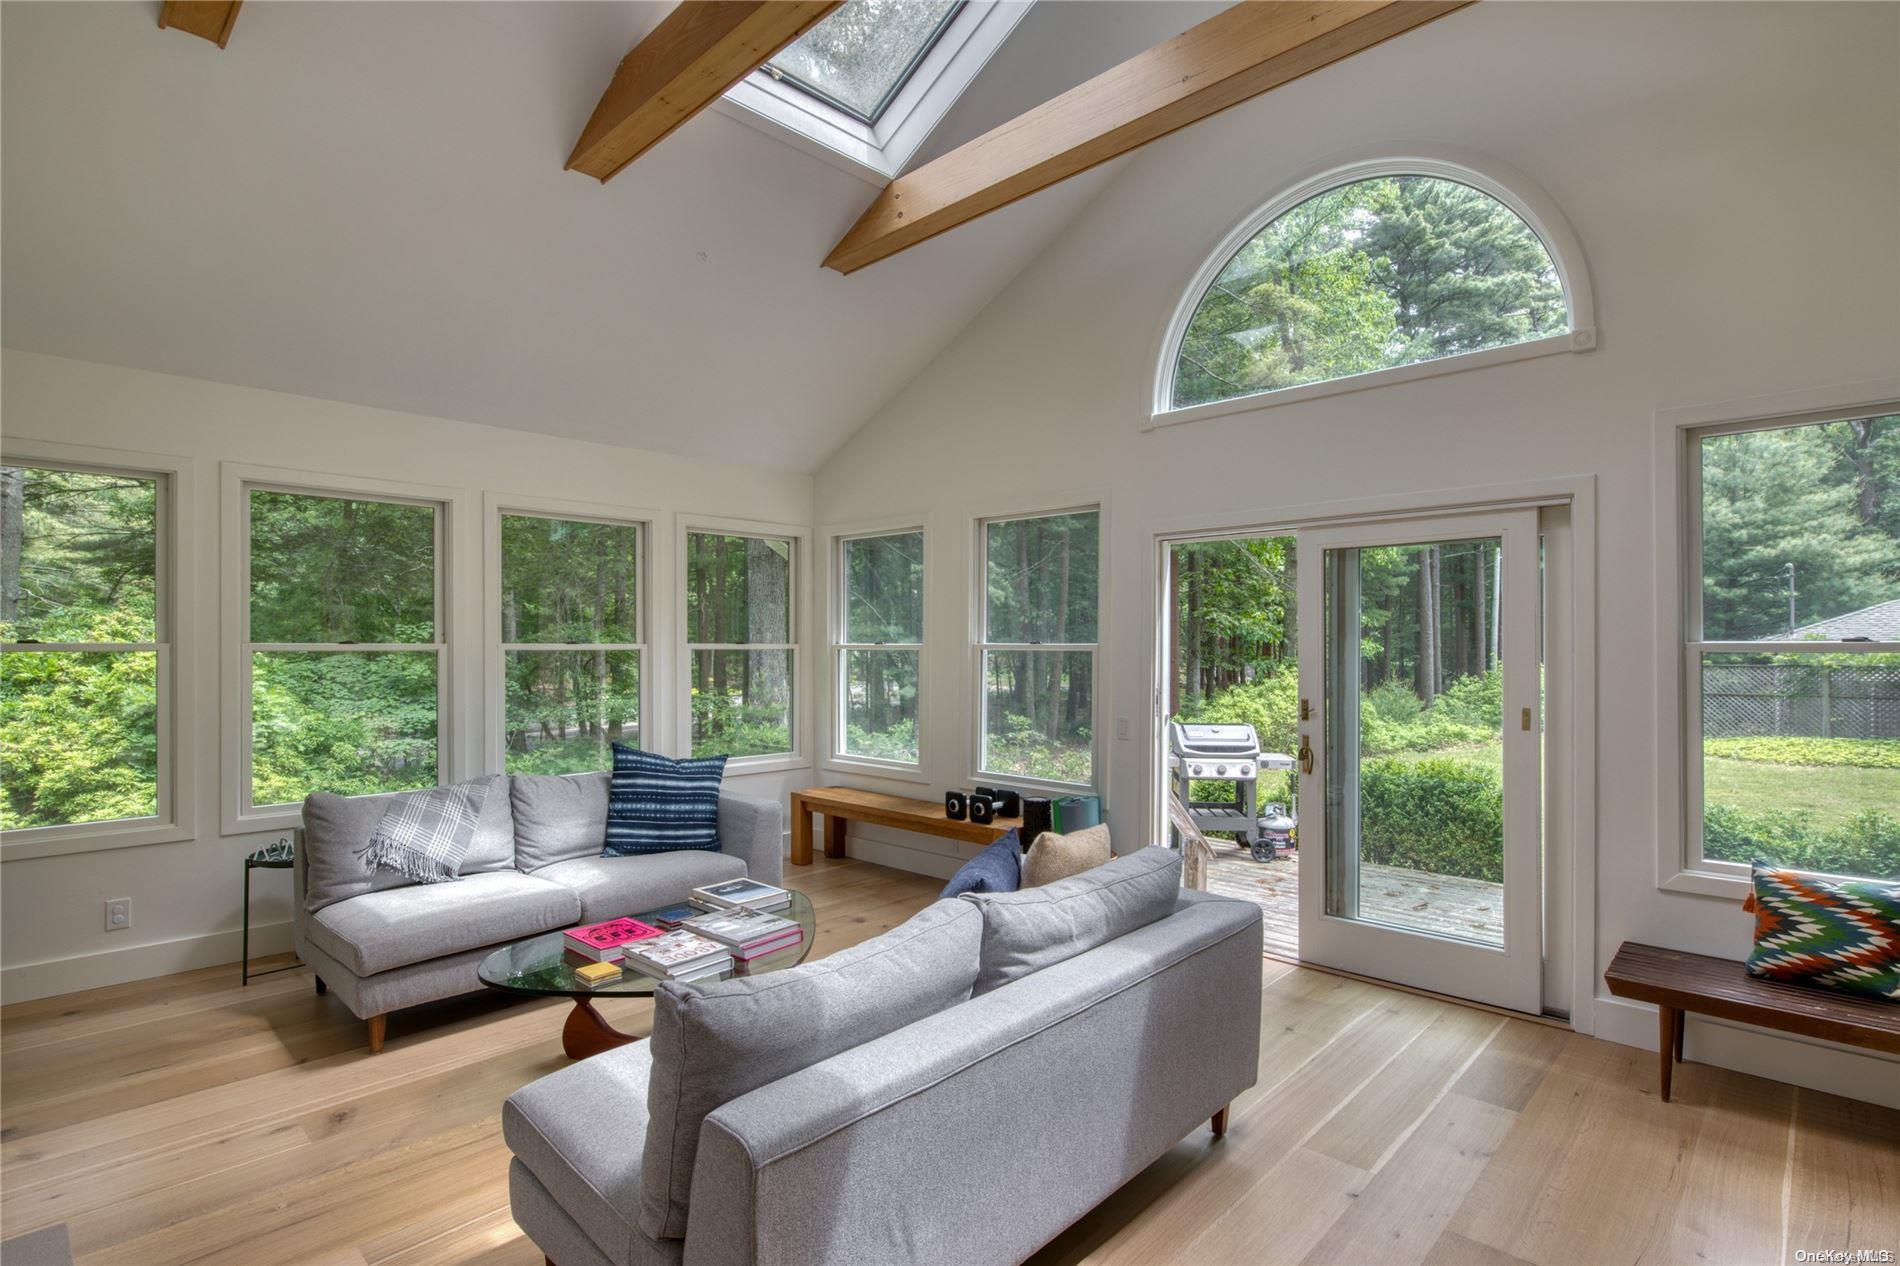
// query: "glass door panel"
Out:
[1420,746]
[1415,738]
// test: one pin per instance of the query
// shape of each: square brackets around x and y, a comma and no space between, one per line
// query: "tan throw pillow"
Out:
[1054,857]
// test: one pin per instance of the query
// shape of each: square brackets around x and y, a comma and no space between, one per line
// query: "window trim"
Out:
[1496,180]
[875,153]
[240,816]
[836,602]
[494,758]
[1680,866]
[979,633]
[177,786]
[687,527]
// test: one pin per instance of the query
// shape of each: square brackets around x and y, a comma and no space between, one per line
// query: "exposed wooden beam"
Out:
[1234,55]
[697,52]
[207,19]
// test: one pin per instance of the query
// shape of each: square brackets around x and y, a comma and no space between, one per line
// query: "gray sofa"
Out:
[383,942]
[959,1089]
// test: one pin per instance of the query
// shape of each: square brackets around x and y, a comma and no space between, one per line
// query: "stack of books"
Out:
[741,894]
[678,955]
[605,942]
[748,934]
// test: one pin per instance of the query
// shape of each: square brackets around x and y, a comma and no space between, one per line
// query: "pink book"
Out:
[763,948]
[603,942]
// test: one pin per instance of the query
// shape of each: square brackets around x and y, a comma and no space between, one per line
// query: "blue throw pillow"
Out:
[998,868]
[660,805]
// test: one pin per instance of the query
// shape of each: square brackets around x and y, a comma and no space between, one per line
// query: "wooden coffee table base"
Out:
[586,1033]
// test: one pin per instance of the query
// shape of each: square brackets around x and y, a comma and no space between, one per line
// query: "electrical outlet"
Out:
[1121,727]
[118,914]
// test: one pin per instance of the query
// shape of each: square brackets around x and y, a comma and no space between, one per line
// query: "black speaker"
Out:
[1006,803]
[956,806]
[1036,819]
[982,809]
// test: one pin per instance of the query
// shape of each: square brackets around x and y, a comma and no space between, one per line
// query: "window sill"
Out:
[1037,786]
[62,841]
[741,765]
[861,768]
[1578,340]
[1708,883]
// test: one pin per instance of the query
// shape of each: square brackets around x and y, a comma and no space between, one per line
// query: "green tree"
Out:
[1785,498]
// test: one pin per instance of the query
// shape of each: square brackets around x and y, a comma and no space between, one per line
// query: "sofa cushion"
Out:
[610,887]
[394,927]
[578,1131]
[1025,931]
[658,805]
[337,831]
[558,817]
[1054,857]
[713,1042]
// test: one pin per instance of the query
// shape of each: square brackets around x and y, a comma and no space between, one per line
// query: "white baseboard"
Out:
[28,981]
[1800,1061]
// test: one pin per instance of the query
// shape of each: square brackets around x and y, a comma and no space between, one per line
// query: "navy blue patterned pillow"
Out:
[660,805]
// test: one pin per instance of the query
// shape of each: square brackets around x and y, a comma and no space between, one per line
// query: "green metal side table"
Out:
[281,855]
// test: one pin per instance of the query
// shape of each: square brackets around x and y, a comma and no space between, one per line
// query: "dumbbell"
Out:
[1004,803]
[956,806]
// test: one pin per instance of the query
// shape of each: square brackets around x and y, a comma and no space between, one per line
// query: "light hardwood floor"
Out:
[191,1120]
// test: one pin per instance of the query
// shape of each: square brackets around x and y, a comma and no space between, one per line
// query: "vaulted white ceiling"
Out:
[365,202]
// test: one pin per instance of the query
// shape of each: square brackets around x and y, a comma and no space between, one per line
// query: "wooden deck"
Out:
[1406,898]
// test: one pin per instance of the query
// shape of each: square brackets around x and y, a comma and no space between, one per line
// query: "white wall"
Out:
[1732,173]
[186,895]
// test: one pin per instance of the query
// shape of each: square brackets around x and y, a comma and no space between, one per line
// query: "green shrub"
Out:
[1868,845]
[1860,753]
[1441,816]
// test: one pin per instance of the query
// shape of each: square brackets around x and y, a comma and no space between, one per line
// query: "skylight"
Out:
[859,57]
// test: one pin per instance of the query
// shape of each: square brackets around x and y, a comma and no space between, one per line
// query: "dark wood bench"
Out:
[1677,982]
[850,804]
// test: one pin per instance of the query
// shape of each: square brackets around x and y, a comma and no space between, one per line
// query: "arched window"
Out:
[1363,273]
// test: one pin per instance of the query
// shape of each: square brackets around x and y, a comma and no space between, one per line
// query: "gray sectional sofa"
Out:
[959,1089]
[384,942]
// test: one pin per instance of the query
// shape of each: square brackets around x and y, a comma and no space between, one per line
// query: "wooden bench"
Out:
[848,804]
[1677,982]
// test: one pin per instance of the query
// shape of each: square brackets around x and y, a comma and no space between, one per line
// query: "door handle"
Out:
[1306,755]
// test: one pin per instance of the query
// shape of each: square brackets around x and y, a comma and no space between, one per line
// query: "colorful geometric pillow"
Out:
[1842,935]
[658,805]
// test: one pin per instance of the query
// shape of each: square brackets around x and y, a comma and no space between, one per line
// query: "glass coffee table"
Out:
[541,967]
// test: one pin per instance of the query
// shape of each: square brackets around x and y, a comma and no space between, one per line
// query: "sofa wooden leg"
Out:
[377,1025]
[321,987]
[1219,1123]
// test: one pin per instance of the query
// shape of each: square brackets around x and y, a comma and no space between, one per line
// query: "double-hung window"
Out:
[1792,652]
[1036,648]
[85,658]
[879,651]
[741,642]
[572,641]
[344,658]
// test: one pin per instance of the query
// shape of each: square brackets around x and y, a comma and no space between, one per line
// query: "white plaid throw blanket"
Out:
[424,835]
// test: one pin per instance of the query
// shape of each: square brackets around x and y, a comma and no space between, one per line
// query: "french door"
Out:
[1420,724]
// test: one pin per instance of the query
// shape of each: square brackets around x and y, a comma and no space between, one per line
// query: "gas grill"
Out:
[1230,753]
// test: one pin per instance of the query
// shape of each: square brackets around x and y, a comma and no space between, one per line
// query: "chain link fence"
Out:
[1798,700]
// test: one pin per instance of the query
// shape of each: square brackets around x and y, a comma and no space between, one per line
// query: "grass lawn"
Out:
[1830,795]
